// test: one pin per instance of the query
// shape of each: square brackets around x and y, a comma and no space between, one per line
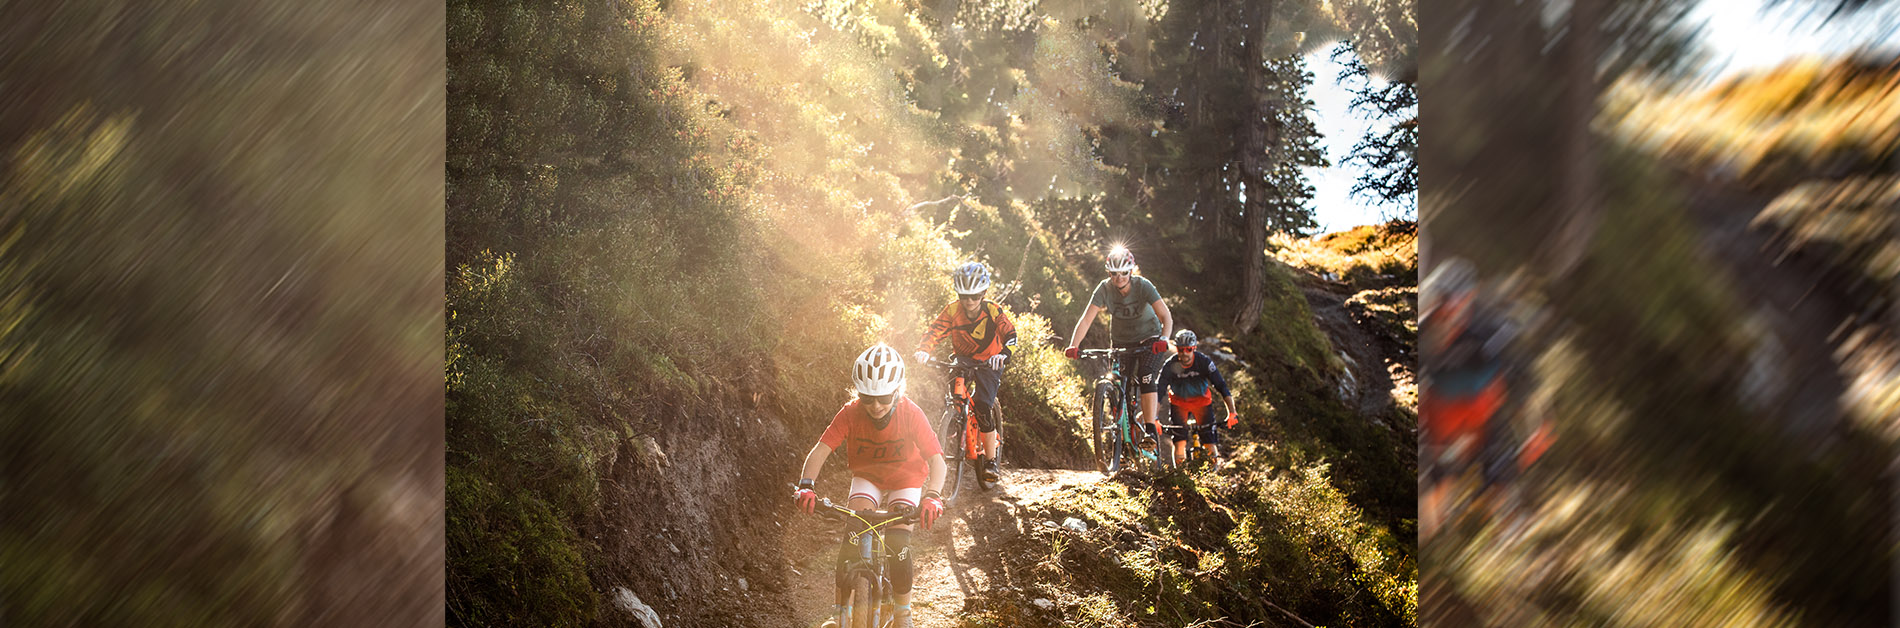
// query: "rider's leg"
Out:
[1210,438]
[987,423]
[1148,401]
[898,562]
[1150,379]
[1176,434]
[864,496]
[988,419]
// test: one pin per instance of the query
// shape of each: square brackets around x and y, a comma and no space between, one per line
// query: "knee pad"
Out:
[898,561]
[985,417]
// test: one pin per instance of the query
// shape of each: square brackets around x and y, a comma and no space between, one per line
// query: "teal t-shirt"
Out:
[1133,317]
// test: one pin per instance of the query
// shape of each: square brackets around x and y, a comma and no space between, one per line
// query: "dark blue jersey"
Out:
[1192,380]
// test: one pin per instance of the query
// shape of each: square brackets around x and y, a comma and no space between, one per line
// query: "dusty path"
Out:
[952,564]
[1804,315]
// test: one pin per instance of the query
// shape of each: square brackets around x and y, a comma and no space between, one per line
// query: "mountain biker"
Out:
[1466,391]
[1138,317]
[1190,381]
[979,331]
[893,456]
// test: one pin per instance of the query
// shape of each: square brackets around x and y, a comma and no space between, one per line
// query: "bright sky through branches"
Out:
[1335,209]
[1747,35]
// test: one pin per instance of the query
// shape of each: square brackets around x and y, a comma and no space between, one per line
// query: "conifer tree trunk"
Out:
[1579,185]
[1262,134]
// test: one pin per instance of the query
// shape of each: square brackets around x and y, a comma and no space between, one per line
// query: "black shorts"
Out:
[1144,366]
[1176,425]
[984,384]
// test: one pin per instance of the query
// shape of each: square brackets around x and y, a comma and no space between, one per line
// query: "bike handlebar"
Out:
[1111,353]
[953,364]
[873,517]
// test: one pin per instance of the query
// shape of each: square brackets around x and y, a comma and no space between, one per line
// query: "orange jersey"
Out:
[988,334]
[893,457]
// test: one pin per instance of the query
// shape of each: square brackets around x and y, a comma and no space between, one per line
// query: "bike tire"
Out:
[864,608]
[1150,463]
[952,445]
[1101,429]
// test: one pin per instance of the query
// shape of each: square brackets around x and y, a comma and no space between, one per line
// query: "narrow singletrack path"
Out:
[953,561]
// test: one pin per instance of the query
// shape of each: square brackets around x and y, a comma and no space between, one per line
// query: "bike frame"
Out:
[1126,401]
[958,401]
[1195,448]
[869,562]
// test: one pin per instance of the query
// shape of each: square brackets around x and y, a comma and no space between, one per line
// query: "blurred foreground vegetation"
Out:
[218,327]
[1713,387]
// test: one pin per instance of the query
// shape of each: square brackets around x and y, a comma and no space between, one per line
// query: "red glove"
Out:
[1073,353]
[1232,420]
[932,508]
[805,497]
[1160,346]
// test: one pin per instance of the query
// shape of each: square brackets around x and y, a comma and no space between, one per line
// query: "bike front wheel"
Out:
[1103,438]
[952,445]
[864,607]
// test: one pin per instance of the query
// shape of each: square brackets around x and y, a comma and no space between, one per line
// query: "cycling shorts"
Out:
[1176,425]
[909,497]
[1144,366]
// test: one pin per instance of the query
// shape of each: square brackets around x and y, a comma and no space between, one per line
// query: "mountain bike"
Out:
[957,431]
[1196,452]
[1115,405]
[1453,483]
[867,600]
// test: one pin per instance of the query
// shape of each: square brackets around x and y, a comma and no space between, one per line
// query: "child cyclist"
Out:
[980,332]
[894,460]
[1189,381]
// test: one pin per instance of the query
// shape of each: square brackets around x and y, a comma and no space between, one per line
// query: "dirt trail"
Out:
[952,562]
[1803,315]
[1377,367]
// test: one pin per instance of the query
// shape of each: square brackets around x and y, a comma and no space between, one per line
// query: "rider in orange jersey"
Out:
[979,331]
[894,459]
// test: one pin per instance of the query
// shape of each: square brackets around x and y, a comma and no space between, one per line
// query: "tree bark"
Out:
[1580,188]
[1262,135]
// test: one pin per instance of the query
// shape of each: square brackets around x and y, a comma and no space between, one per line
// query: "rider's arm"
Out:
[815,460]
[1167,320]
[1220,383]
[938,329]
[1082,326]
[935,481]
[1006,330]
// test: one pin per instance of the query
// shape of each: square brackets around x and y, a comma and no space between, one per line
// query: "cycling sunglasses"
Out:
[970,297]
[1186,349]
[1120,273]
[883,400]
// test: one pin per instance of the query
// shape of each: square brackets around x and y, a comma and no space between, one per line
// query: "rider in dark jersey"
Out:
[1469,387]
[1189,382]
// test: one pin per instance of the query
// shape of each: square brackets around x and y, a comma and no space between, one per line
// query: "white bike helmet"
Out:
[1120,260]
[971,278]
[1185,338]
[879,371]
